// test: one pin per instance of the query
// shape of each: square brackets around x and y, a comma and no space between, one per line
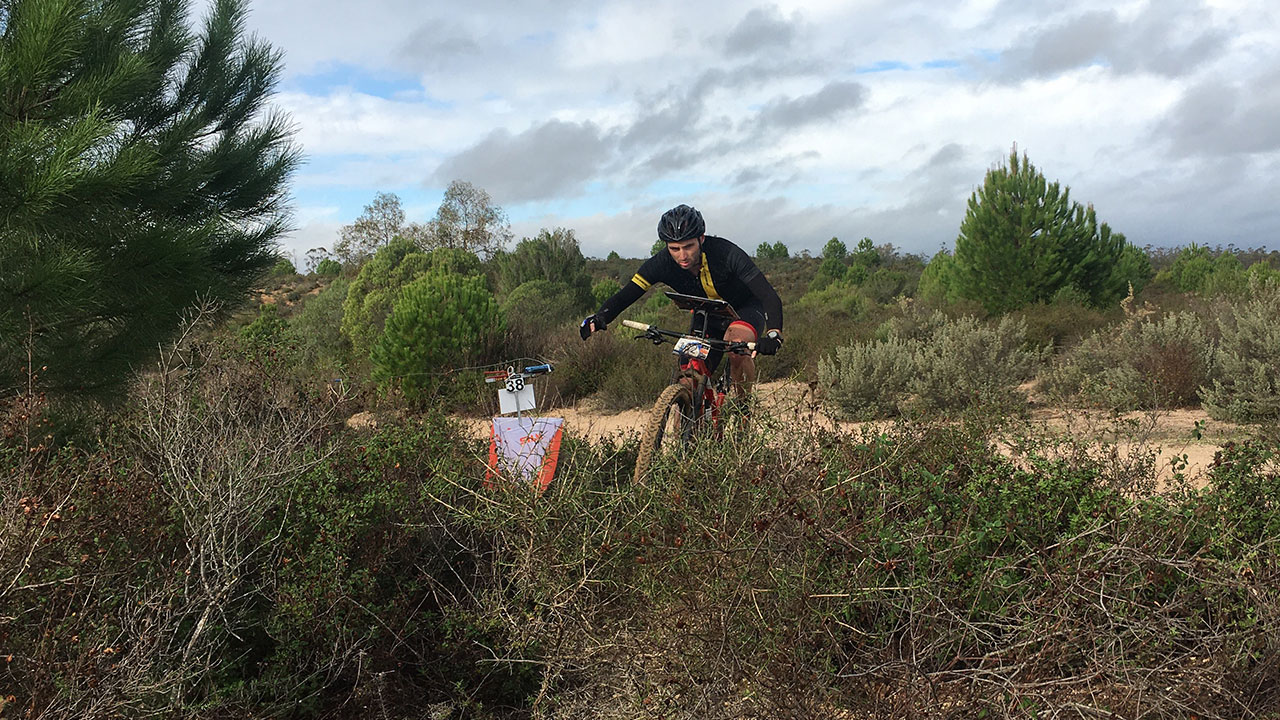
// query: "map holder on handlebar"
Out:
[702,307]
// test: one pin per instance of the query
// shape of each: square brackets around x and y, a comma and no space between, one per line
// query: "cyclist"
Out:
[695,263]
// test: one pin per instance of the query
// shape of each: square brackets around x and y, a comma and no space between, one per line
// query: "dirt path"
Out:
[1170,435]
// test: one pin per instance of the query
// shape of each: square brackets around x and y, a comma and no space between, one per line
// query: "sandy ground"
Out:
[1170,435]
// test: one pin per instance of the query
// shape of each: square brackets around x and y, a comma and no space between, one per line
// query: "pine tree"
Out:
[1023,240]
[140,173]
[440,321]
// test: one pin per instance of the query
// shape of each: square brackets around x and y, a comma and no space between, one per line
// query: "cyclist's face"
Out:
[686,253]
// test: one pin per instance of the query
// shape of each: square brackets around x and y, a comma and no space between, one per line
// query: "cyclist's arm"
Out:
[769,300]
[621,300]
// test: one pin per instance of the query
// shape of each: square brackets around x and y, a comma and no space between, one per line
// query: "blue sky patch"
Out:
[883,66]
[384,83]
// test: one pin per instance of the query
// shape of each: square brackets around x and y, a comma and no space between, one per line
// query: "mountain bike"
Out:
[690,407]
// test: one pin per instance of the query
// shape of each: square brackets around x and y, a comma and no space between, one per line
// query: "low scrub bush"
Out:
[1246,384]
[230,549]
[1142,363]
[869,380]
[967,363]
[888,574]
[317,331]
[536,310]
[930,363]
[1062,322]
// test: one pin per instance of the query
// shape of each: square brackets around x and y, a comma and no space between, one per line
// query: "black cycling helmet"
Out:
[681,223]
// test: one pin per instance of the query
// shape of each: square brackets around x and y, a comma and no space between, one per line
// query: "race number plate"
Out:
[692,348]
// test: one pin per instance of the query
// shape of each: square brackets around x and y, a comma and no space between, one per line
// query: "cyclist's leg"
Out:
[742,368]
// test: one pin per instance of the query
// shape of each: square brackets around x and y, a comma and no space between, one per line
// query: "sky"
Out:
[786,121]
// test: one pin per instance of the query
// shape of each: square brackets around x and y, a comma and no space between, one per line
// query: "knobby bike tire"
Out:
[676,398]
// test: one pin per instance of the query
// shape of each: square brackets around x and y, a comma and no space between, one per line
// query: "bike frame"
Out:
[708,391]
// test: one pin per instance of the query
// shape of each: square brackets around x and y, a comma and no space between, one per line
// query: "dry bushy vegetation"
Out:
[229,548]
[221,544]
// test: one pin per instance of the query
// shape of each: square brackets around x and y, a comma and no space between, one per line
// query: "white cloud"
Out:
[769,117]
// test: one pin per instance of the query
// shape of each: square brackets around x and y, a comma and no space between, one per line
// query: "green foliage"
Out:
[1246,385]
[328,267]
[456,261]
[1134,266]
[967,363]
[657,247]
[868,380]
[1189,271]
[831,270]
[535,310]
[1138,364]
[613,255]
[776,251]
[440,321]
[373,292]
[1260,277]
[835,250]
[602,290]
[140,175]
[553,256]
[317,330]
[1196,269]
[282,268]
[866,255]
[1023,240]
[938,282]
[267,328]
[936,364]
[882,285]
[1063,321]
[841,298]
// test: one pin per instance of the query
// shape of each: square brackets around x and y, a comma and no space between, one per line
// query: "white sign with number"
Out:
[516,395]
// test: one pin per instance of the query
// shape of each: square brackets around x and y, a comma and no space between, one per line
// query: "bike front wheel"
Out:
[670,427]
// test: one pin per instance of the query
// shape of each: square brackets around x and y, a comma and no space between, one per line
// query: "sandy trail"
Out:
[1169,434]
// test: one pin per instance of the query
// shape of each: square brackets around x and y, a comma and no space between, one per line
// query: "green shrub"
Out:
[282,268]
[842,298]
[537,309]
[1063,321]
[328,267]
[553,255]
[1139,364]
[440,322]
[373,292]
[267,328]
[938,283]
[868,380]
[883,285]
[604,289]
[317,331]
[967,363]
[831,270]
[1246,384]
[935,364]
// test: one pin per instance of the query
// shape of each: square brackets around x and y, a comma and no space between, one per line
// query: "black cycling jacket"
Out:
[727,273]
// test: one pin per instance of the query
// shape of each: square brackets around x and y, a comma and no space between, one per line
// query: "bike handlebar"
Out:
[656,334]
